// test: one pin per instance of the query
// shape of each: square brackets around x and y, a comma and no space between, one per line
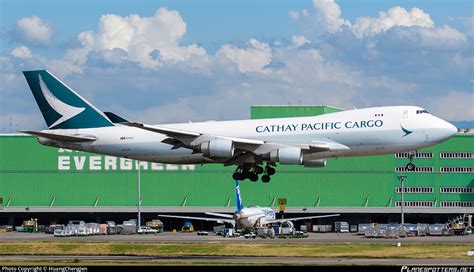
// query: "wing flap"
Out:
[60,137]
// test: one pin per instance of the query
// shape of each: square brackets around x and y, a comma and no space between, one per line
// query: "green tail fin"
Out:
[62,107]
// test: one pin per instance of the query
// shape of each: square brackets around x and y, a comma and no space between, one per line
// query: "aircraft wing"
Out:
[182,134]
[300,218]
[60,137]
[231,221]
[221,214]
[246,147]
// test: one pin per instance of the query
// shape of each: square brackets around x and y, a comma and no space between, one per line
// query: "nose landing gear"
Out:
[411,166]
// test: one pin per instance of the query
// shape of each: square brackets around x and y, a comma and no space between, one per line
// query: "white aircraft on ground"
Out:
[74,123]
[250,217]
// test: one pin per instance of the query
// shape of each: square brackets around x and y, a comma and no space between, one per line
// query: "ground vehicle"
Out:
[341,227]
[146,230]
[187,227]
[250,235]
[266,232]
[30,225]
[436,229]
[202,233]
[155,224]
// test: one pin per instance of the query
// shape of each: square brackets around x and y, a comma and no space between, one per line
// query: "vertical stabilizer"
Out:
[238,199]
[61,106]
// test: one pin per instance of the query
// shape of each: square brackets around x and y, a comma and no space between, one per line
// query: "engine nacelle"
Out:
[217,148]
[315,163]
[289,155]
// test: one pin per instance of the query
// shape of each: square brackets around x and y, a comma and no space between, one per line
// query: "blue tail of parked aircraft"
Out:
[238,199]
[62,107]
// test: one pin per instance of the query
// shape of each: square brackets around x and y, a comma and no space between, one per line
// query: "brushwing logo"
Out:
[67,111]
[407,132]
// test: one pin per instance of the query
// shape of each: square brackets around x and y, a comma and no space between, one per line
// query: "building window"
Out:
[457,190]
[457,203]
[414,203]
[457,169]
[414,190]
[421,155]
[418,169]
[456,155]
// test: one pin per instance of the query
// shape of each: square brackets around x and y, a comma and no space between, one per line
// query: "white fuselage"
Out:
[370,131]
[254,217]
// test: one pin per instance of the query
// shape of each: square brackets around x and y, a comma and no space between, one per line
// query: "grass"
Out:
[349,250]
[135,263]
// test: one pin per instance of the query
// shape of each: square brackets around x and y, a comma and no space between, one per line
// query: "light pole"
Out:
[139,196]
[402,204]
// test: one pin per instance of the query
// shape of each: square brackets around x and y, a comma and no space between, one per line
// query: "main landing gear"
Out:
[411,166]
[252,173]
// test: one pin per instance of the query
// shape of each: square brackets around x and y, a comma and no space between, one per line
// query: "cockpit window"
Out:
[421,111]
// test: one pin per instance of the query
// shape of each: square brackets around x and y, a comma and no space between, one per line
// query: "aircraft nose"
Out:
[452,130]
[449,129]
[237,215]
[444,131]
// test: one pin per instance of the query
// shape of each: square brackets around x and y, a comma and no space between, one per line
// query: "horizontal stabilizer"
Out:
[60,137]
[115,118]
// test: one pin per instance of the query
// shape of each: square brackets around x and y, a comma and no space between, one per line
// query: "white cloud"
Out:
[463,109]
[399,57]
[442,37]
[295,15]
[34,30]
[330,13]
[325,17]
[396,16]
[251,59]
[150,41]
[21,52]
[298,40]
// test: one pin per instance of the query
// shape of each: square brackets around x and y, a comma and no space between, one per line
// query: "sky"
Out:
[179,61]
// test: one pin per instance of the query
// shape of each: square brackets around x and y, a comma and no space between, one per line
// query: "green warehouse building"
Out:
[57,185]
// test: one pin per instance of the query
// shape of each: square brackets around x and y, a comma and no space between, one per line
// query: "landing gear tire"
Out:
[265,178]
[258,170]
[271,171]
[236,176]
[253,177]
[410,167]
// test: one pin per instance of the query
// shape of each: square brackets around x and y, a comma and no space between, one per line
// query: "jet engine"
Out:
[217,148]
[315,163]
[289,155]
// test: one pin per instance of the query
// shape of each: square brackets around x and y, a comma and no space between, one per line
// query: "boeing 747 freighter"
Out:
[254,146]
